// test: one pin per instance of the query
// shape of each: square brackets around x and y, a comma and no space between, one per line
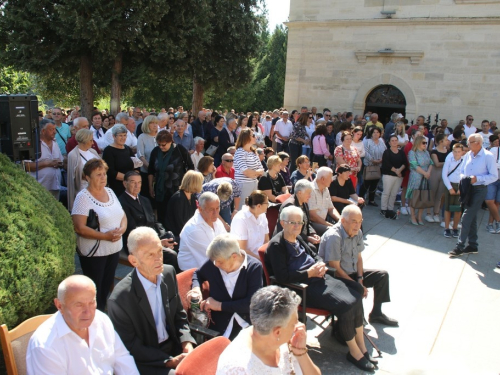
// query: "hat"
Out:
[400,115]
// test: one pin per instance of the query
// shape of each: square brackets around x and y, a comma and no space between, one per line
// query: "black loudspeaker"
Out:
[19,127]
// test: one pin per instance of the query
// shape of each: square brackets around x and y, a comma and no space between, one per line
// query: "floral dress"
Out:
[416,159]
[351,157]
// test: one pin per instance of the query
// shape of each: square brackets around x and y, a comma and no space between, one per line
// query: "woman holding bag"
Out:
[374,149]
[420,172]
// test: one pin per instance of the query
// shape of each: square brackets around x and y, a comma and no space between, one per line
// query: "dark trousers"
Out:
[295,151]
[101,270]
[469,218]
[168,347]
[343,298]
[369,186]
[283,147]
[379,281]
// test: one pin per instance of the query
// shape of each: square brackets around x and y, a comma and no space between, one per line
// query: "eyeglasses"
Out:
[229,160]
[56,114]
[294,222]
[327,115]
[471,142]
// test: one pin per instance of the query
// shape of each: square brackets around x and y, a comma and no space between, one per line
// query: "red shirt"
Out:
[220,172]
[72,143]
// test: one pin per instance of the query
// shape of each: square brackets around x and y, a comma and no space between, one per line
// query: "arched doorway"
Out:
[385,100]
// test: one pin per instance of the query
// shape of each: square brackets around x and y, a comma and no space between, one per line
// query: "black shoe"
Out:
[470,250]
[456,252]
[362,363]
[447,233]
[372,203]
[369,357]
[390,214]
[383,213]
[383,319]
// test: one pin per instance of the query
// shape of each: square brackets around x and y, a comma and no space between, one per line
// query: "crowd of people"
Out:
[177,192]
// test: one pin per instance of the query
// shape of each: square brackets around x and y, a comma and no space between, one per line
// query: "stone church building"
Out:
[417,57]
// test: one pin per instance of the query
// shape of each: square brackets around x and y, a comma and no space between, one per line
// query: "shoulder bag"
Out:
[372,172]
[93,223]
[421,197]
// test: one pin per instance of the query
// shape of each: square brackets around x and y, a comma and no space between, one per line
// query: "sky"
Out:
[278,12]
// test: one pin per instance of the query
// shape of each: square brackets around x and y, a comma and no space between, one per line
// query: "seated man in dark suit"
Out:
[234,277]
[140,213]
[146,309]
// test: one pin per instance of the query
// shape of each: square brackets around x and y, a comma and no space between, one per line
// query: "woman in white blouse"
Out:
[247,166]
[99,248]
[250,226]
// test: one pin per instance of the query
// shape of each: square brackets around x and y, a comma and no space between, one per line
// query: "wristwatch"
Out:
[360,278]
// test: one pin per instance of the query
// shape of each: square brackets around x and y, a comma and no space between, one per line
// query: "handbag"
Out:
[422,198]
[93,223]
[372,172]
[212,150]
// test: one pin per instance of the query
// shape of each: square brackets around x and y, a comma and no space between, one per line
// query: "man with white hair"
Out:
[121,118]
[321,208]
[80,123]
[341,248]
[199,145]
[78,338]
[477,171]
[199,231]
[198,125]
[146,308]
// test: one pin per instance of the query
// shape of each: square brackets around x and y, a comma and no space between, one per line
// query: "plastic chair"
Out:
[15,343]
[204,358]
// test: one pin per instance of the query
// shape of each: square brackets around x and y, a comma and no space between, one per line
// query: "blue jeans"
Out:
[469,218]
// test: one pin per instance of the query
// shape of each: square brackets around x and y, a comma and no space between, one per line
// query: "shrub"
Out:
[37,245]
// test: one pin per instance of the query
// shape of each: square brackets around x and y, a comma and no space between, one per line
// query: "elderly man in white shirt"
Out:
[199,231]
[199,145]
[282,131]
[321,208]
[78,339]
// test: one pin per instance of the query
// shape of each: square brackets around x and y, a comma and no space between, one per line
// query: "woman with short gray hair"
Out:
[275,344]
[76,160]
[233,277]
[118,157]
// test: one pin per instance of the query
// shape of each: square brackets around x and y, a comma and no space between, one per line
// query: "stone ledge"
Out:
[414,56]
[441,21]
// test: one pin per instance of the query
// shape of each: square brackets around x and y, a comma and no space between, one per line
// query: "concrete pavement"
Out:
[447,308]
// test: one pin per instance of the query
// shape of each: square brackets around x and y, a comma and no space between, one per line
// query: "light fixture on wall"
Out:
[386,50]
[388,13]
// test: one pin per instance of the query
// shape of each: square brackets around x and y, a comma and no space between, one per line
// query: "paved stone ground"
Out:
[447,308]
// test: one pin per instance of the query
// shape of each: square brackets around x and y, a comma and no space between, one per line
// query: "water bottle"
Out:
[198,317]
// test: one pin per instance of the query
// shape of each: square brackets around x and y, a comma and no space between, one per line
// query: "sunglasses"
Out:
[424,143]
[310,117]
[229,161]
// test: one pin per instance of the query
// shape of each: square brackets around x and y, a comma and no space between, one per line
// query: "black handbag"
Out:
[93,223]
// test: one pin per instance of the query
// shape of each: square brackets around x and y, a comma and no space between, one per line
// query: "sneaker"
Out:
[437,219]
[383,212]
[442,225]
[390,214]
[498,265]
[456,252]
[429,219]
[455,233]
[489,228]
[404,211]
[497,225]
[447,233]
[470,250]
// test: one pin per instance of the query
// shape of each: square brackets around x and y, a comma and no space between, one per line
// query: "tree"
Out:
[73,37]
[14,82]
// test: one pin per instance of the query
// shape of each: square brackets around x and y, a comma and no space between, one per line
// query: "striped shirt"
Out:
[244,160]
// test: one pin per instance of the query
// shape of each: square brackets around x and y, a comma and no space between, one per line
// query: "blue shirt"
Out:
[62,135]
[213,185]
[483,166]
[187,141]
[153,291]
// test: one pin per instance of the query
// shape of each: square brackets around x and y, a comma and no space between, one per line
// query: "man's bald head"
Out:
[73,284]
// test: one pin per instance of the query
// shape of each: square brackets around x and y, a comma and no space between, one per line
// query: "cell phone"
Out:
[315,166]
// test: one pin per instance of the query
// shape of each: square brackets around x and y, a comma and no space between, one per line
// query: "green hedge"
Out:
[37,245]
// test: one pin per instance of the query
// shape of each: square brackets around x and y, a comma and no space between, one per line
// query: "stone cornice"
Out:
[414,56]
[396,22]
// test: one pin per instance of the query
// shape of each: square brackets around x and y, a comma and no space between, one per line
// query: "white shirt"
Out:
[153,292]
[195,238]
[320,201]
[131,139]
[267,127]
[99,138]
[310,130]
[468,131]
[195,157]
[108,139]
[450,164]
[230,280]
[246,227]
[284,128]
[486,139]
[55,349]
[49,177]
